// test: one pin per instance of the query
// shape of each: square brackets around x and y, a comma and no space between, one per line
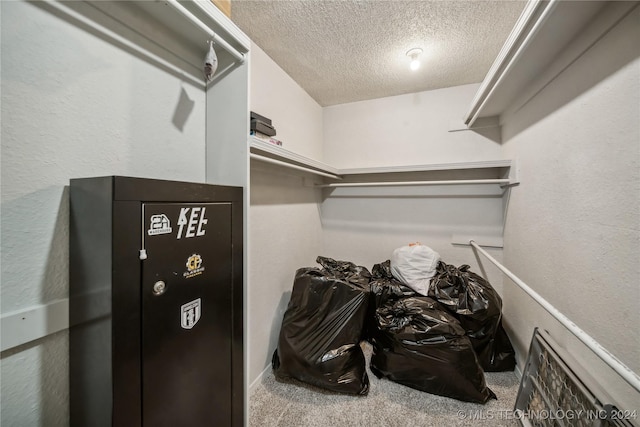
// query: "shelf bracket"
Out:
[514,174]
[480,123]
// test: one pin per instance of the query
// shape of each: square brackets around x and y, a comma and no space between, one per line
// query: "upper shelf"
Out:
[171,34]
[265,151]
[543,43]
[500,172]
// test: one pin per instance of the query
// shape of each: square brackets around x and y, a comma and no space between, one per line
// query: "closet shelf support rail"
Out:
[410,183]
[194,20]
[291,166]
[624,371]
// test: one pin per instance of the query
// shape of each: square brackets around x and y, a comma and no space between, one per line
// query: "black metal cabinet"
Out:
[156,299]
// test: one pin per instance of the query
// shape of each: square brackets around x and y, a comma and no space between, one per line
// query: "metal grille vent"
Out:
[551,395]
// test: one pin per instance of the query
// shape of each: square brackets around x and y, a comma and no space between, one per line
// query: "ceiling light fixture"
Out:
[414,54]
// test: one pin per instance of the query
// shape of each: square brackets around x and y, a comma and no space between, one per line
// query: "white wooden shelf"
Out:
[266,150]
[505,173]
[542,45]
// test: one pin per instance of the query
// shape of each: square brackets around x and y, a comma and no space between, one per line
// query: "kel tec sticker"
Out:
[192,222]
[160,224]
[194,266]
[190,314]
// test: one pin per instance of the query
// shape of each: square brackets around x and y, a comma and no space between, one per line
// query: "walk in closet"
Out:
[541,121]
[538,165]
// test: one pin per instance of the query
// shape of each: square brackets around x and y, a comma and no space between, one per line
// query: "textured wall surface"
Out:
[295,115]
[573,231]
[73,105]
[366,225]
[286,234]
[406,130]
[284,220]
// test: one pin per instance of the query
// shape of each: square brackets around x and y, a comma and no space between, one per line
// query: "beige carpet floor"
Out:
[275,403]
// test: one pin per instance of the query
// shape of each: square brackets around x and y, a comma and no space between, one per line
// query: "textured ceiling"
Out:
[344,51]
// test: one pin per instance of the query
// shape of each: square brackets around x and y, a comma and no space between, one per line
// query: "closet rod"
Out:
[289,165]
[407,183]
[114,37]
[624,371]
[219,40]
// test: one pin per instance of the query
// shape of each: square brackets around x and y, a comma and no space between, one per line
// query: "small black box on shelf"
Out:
[263,119]
[265,128]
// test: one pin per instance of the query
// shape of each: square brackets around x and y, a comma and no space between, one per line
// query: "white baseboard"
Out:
[258,380]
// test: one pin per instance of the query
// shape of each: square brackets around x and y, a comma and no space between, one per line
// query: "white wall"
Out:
[284,221]
[406,130]
[73,105]
[573,231]
[295,115]
[366,226]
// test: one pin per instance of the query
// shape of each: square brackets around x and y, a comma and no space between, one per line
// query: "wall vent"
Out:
[552,395]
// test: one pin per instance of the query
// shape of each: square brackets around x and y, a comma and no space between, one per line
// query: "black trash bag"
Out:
[384,288]
[503,356]
[478,307]
[421,345]
[391,287]
[345,270]
[319,341]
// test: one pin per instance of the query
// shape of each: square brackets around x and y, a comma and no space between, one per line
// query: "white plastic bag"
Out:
[414,266]
[210,63]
